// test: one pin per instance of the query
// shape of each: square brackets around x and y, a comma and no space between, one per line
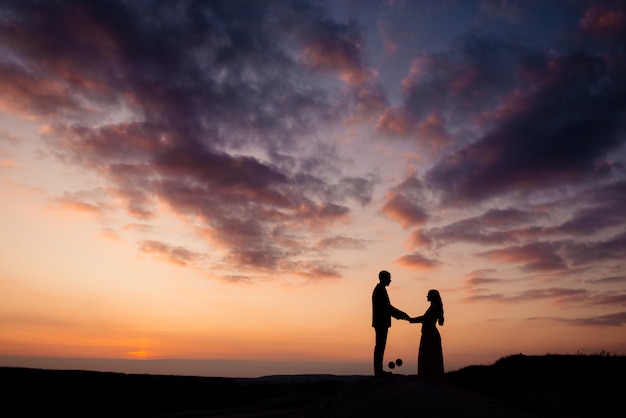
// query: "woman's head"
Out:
[434,296]
[435,299]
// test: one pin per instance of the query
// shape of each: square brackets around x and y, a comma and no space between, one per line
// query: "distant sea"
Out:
[187,367]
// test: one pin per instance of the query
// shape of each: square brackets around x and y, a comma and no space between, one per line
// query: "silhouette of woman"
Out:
[430,355]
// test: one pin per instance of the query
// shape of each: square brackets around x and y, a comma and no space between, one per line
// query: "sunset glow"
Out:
[223,181]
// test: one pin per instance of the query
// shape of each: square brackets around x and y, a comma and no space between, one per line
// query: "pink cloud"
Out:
[6,163]
[343,56]
[418,239]
[395,122]
[389,44]
[81,202]
[33,96]
[404,210]
[608,280]
[479,281]
[604,22]
[315,271]
[609,298]
[417,261]
[177,255]
[432,133]
[340,242]
[617,319]
[421,67]
[320,215]
[370,101]
[463,82]
[557,295]
[404,202]
[539,256]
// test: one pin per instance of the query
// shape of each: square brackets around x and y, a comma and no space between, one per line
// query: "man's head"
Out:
[384,277]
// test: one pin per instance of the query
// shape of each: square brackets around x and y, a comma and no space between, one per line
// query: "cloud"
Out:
[614,320]
[537,256]
[521,158]
[517,122]
[316,270]
[336,54]
[86,202]
[481,272]
[403,202]
[418,239]
[602,211]
[479,281]
[493,227]
[339,242]
[460,83]
[546,256]
[6,163]
[203,107]
[370,100]
[558,295]
[222,113]
[611,249]
[610,279]
[417,261]
[609,298]
[33,96]
[593,210]
[404,210]
[177,255]
[509,12]
[394,121]
[432,133]
[6,136]
[604,22]
[480,297]
[562,121]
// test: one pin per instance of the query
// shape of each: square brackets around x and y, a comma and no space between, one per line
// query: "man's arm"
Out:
[397,313]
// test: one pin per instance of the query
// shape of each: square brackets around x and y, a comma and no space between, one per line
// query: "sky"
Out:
[211,187]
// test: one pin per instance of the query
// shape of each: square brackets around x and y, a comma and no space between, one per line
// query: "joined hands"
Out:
[414,320]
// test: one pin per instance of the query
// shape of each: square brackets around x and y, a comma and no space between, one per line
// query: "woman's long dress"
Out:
[430,355]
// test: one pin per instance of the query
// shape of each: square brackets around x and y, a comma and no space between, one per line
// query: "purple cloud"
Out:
[403,202]
[604,210]
[614,320]
[417,261]
[480,281]
[218,110]
[608,280]
[217,119]
[610,298]
[611,249]
[494,227]
[557,295]
[545,119]
[538,256]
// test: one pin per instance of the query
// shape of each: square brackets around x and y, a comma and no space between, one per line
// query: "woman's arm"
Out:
[416,320]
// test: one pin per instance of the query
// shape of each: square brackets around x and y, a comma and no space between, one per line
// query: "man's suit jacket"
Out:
[382,310]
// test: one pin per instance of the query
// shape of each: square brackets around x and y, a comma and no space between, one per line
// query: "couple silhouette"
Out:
[430,353]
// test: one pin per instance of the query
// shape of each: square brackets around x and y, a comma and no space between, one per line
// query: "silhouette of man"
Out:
[382,311]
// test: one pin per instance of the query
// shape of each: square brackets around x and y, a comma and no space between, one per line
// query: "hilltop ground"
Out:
[519,386]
